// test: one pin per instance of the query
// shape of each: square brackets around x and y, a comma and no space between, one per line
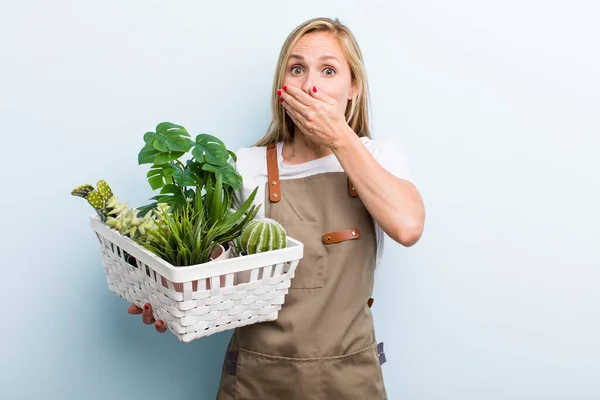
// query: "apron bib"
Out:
[322,345]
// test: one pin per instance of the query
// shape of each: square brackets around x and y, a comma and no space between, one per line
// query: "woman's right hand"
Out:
[147,317]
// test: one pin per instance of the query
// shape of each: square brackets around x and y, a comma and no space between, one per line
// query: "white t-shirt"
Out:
[252,166]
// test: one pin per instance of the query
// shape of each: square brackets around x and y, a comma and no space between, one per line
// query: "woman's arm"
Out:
[394,203]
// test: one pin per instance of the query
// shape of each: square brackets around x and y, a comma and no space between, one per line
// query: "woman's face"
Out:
[317,60]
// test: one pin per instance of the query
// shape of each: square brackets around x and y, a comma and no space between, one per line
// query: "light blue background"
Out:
[495,103]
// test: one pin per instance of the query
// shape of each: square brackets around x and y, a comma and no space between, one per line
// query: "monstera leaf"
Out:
[168,143]
[209,149]
[162,174]
[174,196]
[228,174]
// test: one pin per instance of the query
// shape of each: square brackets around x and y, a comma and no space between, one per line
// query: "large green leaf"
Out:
[197,172]
[173,195]
[183,177]
[169,137]
[229,175]
[156,176]
[210,149]
[233,155]
[147,155]
[163,158]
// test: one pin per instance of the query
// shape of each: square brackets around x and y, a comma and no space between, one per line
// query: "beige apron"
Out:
[322,345]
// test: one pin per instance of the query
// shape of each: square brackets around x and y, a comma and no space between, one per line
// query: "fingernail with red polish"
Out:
[279,92]
[146,306]
[281,99]
[159,324]
[314,89]
[285,88]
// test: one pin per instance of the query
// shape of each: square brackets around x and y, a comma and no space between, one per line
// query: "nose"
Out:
[306,86]
[308,83]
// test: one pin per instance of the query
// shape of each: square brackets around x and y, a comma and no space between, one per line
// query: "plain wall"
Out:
[494,103]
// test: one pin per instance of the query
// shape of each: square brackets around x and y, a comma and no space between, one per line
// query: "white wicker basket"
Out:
[203,299]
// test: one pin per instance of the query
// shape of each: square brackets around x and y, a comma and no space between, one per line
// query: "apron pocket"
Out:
[354,376]
[264,377]
[309,271]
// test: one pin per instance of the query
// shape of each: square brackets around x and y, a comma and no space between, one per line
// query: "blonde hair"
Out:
[357,115]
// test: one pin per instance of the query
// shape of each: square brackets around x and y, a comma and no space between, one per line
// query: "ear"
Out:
[353,92]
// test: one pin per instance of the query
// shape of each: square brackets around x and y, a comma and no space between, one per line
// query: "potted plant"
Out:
[172,252]
[206,209]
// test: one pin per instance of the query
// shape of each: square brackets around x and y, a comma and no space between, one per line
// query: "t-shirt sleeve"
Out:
[391,157]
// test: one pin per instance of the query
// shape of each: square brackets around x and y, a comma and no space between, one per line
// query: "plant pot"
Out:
[221,252]
[242,276]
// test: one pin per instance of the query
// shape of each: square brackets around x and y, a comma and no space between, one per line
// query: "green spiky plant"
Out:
[188,239]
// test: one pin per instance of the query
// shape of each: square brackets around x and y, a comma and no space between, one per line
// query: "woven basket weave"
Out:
[198,300]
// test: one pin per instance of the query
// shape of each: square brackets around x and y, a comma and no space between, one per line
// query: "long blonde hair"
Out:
[357,115]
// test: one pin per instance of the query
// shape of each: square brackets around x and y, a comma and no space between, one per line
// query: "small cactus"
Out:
[98,197]
[95,199]
[104,190]
[262,235]
[82,190]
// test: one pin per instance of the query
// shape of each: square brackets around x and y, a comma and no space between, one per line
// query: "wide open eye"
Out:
[329,71]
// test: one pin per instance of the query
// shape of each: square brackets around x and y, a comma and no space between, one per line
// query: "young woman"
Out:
[336,190]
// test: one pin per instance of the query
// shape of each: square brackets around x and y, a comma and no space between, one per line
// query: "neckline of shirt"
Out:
[306,164]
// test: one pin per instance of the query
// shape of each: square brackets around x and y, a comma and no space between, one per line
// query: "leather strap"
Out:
[231,362]
[273,174]
[340,236]
[351,189]
[381,354]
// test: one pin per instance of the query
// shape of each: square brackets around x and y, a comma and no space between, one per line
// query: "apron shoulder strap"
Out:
[351,189]
[273,173]
[273,176]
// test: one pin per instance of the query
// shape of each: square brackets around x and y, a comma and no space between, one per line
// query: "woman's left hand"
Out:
[317,115]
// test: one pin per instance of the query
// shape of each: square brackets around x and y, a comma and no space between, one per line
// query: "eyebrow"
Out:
[323,58]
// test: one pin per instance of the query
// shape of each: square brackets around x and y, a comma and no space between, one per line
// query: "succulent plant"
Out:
[116,208]
[99,197]
[263,234]
[127,222]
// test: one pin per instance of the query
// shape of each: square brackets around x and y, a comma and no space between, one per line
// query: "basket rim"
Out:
[179,274]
